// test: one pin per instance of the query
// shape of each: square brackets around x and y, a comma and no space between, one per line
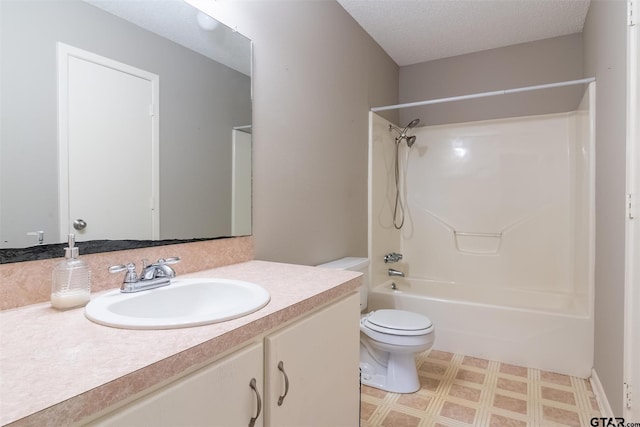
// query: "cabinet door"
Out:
[217,395]
[320,357]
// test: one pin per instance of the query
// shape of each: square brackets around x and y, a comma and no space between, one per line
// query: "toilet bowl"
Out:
[389,339]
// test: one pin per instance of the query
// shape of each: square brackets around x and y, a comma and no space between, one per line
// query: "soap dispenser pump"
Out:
[71,280]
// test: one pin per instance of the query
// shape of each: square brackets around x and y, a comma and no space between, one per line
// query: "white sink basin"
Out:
[184,303]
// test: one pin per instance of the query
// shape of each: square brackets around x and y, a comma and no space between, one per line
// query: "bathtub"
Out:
[548,331]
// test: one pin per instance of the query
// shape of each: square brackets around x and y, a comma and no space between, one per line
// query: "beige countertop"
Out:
[57,367]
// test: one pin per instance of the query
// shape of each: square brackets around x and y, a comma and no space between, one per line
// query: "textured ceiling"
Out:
[414,31]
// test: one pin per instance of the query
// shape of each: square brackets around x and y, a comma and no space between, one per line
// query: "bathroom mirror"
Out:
[201,166]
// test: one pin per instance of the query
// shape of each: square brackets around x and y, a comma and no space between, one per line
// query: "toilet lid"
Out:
[398,321]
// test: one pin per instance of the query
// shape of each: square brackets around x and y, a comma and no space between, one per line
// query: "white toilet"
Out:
[389,339]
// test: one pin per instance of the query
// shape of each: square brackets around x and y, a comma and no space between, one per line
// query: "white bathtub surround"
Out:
[508,331]
[498,241]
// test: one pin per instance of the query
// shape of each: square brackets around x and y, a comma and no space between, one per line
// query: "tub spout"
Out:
[393,272]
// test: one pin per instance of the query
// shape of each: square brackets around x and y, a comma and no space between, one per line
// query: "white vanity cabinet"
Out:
[219,394]
[318,359]
[318,355]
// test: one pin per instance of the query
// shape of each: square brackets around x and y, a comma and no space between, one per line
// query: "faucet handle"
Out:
[161,261]
[130,276]
[392,257]
[162,269]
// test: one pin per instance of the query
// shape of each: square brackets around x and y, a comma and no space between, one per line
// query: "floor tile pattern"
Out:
[462,391]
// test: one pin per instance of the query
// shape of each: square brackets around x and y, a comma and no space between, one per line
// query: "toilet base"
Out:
[394,372]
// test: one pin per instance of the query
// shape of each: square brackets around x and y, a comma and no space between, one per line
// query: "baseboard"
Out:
[601,396]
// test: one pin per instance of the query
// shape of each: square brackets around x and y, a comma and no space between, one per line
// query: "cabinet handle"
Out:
[252,384]
[286,383]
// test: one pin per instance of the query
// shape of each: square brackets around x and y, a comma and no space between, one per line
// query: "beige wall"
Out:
[605,58]
[316,74]
[545,61]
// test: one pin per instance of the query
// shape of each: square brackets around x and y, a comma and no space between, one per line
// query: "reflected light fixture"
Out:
[206,22]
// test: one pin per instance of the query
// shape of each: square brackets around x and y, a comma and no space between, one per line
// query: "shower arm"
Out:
[402,134]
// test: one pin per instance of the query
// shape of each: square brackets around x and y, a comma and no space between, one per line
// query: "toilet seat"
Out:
[386,327]
[397,322]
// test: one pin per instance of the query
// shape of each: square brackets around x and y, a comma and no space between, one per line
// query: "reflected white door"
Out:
[108,137]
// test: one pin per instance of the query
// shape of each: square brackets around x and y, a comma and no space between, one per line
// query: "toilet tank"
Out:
[360,265]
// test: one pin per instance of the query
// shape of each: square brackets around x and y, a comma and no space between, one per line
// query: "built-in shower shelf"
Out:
[477,243]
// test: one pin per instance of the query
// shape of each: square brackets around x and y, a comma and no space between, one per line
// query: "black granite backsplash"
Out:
[41,252]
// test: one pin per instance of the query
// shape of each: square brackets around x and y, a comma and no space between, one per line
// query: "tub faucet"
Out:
[392,257]
[393,272]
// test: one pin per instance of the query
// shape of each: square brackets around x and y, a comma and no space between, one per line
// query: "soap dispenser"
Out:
[71,280]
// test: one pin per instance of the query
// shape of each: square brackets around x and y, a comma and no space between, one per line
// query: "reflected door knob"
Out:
[79,224]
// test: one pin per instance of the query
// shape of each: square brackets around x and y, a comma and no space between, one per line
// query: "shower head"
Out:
[413,123]
[403,133]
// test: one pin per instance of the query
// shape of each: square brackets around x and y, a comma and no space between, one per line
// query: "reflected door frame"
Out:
[66,54]
[241,181]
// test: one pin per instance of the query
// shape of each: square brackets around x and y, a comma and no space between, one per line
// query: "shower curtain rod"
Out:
[484,94]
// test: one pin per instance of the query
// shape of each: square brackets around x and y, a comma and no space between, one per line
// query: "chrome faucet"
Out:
[159,269]
[393,272]
[152,276]
[392,257]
